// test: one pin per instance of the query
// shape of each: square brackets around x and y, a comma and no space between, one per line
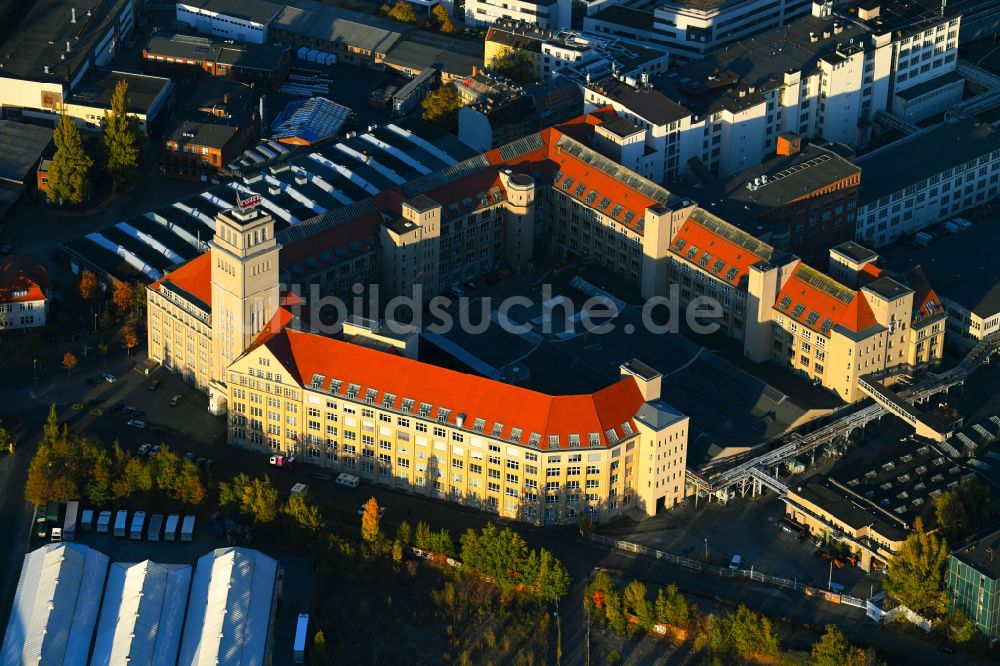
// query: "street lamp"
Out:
[706,548]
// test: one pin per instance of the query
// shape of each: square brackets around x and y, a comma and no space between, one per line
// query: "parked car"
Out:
[189,456]
[381,511]
[136,423]
[284,462]
[156,449]
[200,463]
[735,563]
[347,480]
[108,377]
[155,384]
[128,411]
[176,399]
[144,449]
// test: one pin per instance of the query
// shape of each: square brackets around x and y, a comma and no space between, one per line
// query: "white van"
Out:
[347,480]
[170,533]
[121,518]
[138,522]
[104,522]
[736,562]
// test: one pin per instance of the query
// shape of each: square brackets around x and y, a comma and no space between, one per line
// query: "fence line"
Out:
[726,572]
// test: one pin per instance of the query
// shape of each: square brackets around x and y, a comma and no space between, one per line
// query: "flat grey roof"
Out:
[40,38]
[192,47]
[855,251]
[760,61]
[981,552]
[633,18]
[421,50]
[649,104]
[621,127]
[334,24]
[98,86]
[930,85]
[906,162]
[22,145]
[962,267]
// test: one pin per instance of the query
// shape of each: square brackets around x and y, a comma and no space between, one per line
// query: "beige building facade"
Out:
[418,427]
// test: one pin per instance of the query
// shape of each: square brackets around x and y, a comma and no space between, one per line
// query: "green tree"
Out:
[304,515]
[51,428]
[614,612]
[515,65]
[671,607]
[404,534]
[231,492]
[139,297]
[441,107]
[960,628]
[553,579]
[260,500]
[403,12]
[635,600]
[832,649]
[743,633]
[915,574]
[963,511]
[138,475]
[69,172]
[422,538]
[165,468]
[320,654]
[6,440]
[121,138]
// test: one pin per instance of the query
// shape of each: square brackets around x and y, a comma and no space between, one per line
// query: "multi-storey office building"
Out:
[688,29]
[904,192]
[418,427]
[973,581]
[821,76]
[546,14]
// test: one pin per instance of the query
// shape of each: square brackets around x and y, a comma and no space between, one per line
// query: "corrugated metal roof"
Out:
[55,606]
[229,611]
[142,614]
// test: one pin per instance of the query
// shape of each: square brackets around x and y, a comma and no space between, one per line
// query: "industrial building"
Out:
[142,614]
[174,54]
[55,606]
[822,77]
[230,612]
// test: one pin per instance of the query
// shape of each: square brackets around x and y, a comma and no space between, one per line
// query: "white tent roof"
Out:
[229,611]
[142,614]
[55,606]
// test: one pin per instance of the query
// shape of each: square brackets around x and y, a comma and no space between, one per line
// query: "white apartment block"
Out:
[241,20]
[820,77]
[23,303]
[689,30]
[546,14]
[927,178]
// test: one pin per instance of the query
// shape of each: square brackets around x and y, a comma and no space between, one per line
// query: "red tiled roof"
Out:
[282,317]
[22,281]
[820,302]
[699,245]
[925,300]
[306,355]
[194,277]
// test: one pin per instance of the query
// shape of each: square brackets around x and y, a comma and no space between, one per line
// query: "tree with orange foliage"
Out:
[88,285]
[69,362]
[370,532]
[123,297]
[129,338]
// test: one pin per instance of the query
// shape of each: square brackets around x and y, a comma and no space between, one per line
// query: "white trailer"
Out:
[121,520]
[155,527]
[87,520]
[138,521]
[301,632]
[170,531]
[187,530]
[104,522]
[69,524]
